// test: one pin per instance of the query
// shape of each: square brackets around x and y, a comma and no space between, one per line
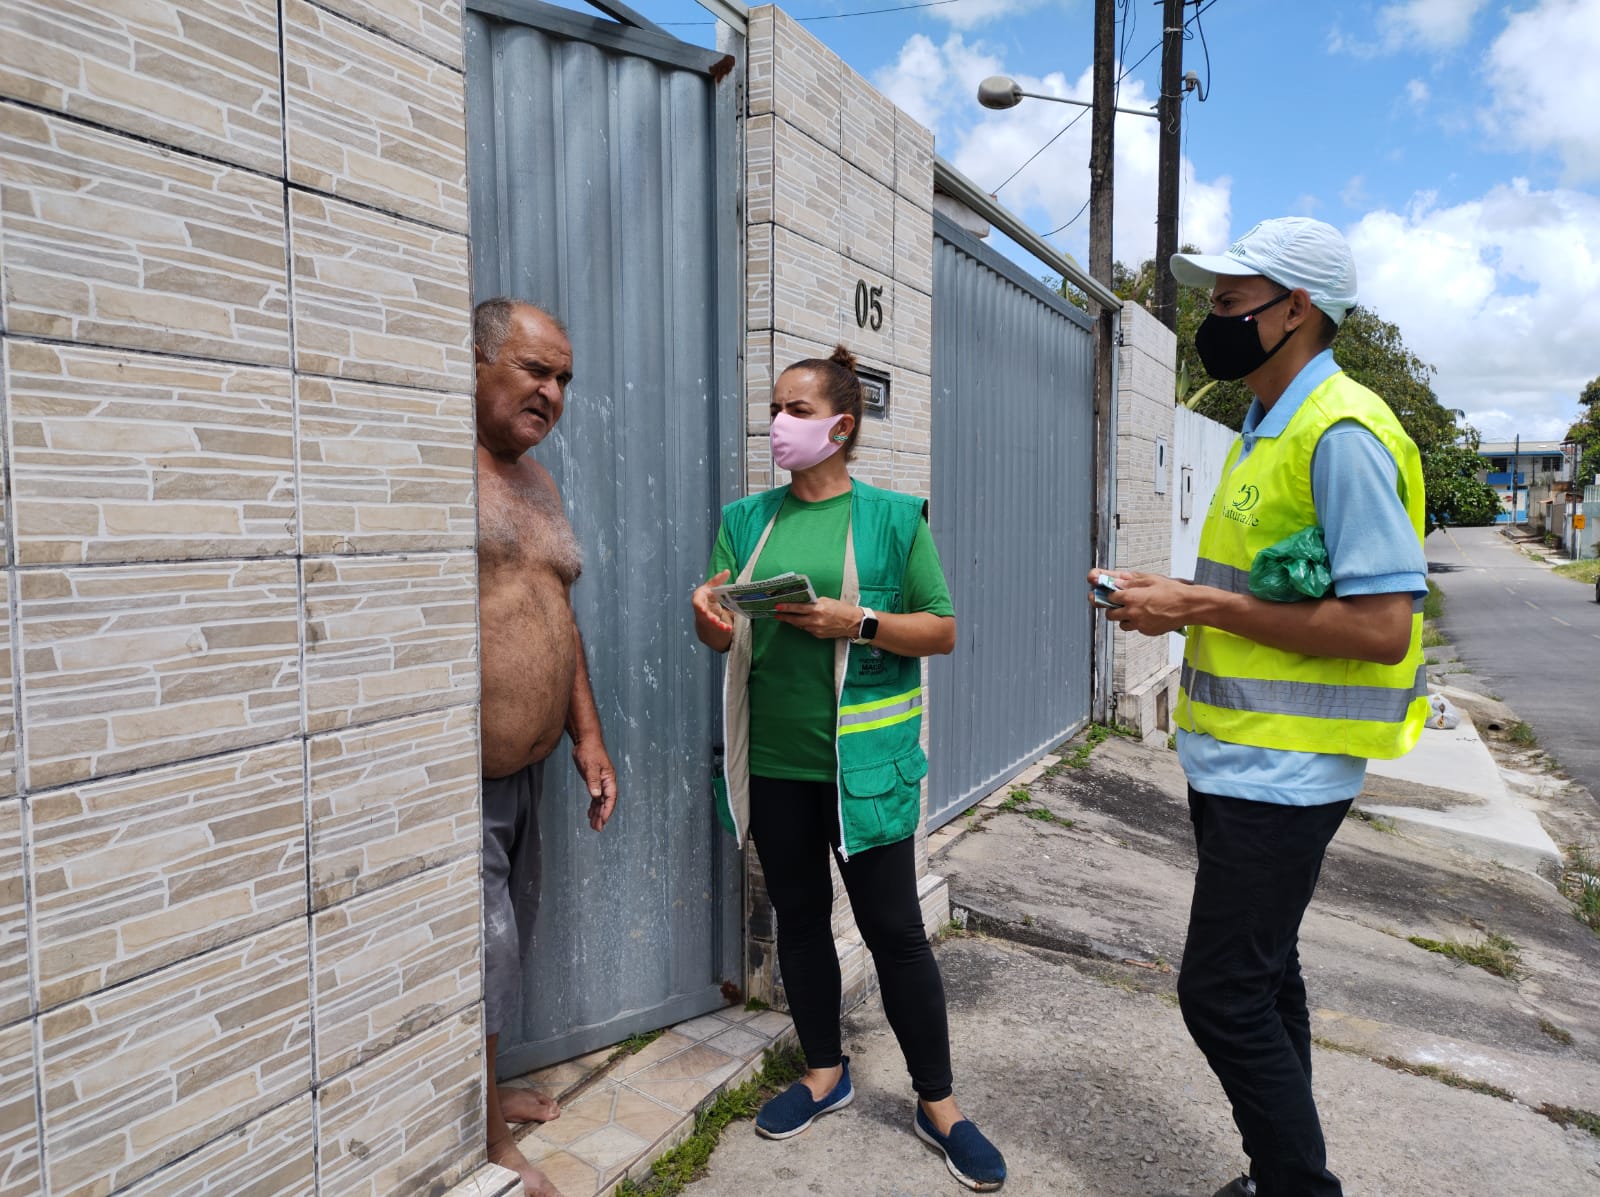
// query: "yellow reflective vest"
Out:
[1242,692]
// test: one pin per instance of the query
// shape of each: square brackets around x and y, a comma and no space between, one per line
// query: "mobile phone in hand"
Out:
[1104,588]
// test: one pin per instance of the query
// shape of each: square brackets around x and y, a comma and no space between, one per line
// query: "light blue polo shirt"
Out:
[1372,549]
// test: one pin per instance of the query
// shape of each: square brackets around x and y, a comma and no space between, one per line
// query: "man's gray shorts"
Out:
[511,876]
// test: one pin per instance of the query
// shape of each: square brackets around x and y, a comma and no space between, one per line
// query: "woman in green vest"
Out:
[822,708]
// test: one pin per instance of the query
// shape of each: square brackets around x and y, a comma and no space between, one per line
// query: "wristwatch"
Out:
[868,629]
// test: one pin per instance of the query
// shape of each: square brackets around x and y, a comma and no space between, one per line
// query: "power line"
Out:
[840,16]
[1071,222]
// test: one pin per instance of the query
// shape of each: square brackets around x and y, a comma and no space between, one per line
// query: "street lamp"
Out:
[1001,92]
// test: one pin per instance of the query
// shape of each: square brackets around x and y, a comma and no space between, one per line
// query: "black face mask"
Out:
[1230,346]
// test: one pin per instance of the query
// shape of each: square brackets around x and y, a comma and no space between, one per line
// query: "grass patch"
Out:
[1097,735]
[1445,1077]
[1433,605]
[1585,1120]
[1580,882]
[1045,815]
[634,1044]
[1582,571]
[1376,822]
[1522,734]
[1495,953]
[1016,800]
[686,1162]
[1432,637]
[1560,1034]
[1021,802]
[756,1005]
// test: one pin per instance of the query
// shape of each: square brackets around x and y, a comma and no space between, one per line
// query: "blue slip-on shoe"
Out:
[794,1109]
[971,1158]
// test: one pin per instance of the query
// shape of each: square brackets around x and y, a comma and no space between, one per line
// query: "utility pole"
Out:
[1169,112]
[1101,151]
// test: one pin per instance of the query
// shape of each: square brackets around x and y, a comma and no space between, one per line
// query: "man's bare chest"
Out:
[522,528]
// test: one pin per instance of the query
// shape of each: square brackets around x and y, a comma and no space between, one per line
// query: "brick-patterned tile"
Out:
[758,52]
[913,334]
[805,85]
[812,293]
[758,169]
[14,999]
[395,961]
[806,183]
[19,1114]
[913,245]
[139,872]
[410,1120]
[135,666]
[201,76]
[8,713]
[866,220]
[131,457]
[379,298]
[391,799]
[111,240]
[913,161]
[140,1075]
[432,26]
[126,667]
[758,277]
[388,636]
[866,127]
[275,1152]
[373,120]
[384,468]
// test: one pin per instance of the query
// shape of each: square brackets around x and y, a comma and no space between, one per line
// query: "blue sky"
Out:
[1455,142]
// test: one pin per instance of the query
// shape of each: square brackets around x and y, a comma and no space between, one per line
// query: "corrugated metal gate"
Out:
[604,183]
[1012,513]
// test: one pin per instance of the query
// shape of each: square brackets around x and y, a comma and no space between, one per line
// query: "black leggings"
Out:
[794,825]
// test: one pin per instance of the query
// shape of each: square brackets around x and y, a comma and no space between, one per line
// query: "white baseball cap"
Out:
[1292,251]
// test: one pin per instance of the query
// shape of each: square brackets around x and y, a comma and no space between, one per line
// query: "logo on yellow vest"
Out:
[1239,510]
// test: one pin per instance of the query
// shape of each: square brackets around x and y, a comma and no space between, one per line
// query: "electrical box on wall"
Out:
[874,391]
[1161,465]
[1185,492]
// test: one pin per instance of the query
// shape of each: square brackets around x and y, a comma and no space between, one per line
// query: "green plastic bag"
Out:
[1294,569]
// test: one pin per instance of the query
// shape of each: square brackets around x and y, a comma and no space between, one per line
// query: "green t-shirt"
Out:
[792,702]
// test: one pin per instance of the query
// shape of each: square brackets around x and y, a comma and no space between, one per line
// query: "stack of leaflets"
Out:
[756,600]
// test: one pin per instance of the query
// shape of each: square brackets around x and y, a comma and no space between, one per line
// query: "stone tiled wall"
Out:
[1144,680]
[839,189]
[239,937]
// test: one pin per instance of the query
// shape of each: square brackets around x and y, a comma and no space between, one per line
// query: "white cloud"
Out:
[1435,25]
[937,85]
[968,14]
[1417,92]
[1501,293]
[1546,89]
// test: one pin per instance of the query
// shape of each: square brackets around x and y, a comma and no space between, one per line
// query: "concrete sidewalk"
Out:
[1070,1051]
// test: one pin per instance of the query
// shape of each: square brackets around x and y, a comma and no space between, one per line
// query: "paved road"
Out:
[1533,635]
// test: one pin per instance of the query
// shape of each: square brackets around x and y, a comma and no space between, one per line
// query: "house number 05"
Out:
[869,306]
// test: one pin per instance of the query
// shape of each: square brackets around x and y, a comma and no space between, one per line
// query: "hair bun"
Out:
[843,357]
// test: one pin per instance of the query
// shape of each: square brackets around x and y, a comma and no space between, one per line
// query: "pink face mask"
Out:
[800,444]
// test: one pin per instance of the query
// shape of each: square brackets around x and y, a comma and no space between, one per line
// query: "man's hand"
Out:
[826,619]
[594,766]
[1151,604]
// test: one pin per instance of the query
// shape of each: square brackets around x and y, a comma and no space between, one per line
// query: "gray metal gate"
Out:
[604,184]
[1012,512]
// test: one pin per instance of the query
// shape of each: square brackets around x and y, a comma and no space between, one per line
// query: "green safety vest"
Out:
[879,719]
[1243,692]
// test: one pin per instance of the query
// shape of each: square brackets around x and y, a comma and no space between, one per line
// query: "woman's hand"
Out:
[826,619]
[710,619]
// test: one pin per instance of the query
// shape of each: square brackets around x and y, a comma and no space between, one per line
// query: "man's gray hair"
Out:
[491,323]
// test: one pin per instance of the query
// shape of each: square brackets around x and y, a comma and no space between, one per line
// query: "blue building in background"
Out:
[1524,473]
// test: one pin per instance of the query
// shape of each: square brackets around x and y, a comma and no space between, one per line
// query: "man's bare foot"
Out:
[534,1182]
[527,1105]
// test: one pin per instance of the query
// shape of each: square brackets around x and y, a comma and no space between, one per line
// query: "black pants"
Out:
[795,824]
[1240,988]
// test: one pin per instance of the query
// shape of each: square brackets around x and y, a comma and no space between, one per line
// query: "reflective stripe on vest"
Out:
[865,716]
[1311,700]
[1237,581]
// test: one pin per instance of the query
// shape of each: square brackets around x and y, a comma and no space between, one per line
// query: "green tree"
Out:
[1449,477]
[1586,431]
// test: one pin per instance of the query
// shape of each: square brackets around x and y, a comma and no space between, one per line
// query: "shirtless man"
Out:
[535,679]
